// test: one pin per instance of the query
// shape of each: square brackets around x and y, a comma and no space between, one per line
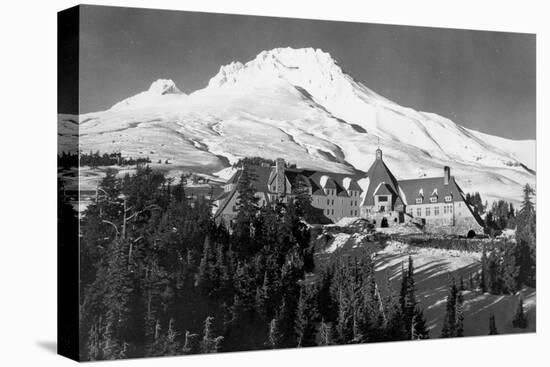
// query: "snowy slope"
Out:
[433,269]
[298,104]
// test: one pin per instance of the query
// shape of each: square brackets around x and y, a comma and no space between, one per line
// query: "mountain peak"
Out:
[164,86]
[160,91]
[278,63]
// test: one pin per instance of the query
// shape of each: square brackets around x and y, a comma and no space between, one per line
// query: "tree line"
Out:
[96,159]
[507,268]
[499,216]
[159,276]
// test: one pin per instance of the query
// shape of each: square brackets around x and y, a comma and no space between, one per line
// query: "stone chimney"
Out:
[280,176]
[446,175]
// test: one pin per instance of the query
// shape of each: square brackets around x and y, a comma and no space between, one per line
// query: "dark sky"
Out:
[482,80]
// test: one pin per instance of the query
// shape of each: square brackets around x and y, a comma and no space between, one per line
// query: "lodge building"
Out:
[434,203]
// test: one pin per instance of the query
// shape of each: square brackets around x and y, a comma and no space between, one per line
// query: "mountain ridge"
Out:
[300,105]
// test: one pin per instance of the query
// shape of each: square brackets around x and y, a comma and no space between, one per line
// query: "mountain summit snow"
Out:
[300,105]
[164,86]
[160,91]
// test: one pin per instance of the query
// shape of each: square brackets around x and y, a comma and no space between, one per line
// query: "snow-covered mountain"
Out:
[298,104]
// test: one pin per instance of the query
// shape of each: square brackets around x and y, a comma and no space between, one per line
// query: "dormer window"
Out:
[448,198]
[419,200]
[433,199]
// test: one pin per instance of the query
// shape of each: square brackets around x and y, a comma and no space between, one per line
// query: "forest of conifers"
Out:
[158,276]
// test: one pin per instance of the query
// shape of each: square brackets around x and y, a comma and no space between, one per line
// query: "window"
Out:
[448,198]
[382,198]
[419,200]
[332,201]
[418,212]
[436,210]
[328,202]
[427,212]
[445,209]
[450,208]
[351,212]
[433,199]
[332,211]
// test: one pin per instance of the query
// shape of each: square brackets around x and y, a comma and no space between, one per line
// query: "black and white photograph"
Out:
[241,183]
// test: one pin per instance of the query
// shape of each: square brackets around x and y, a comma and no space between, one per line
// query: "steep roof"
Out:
[263,176]
[429,186]
[379,173]
[384,189]
[259,177]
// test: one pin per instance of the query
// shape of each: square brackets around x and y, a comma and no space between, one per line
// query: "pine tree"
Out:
[526,239]
[210,343]
[395,328]
[305,314]
[494,279]
[450,321]
[492,325]
[520,319]
[412,315]
[459,315]
[344,322]
[510,270]
[247,204]
[326,336]
[419,329]
[191,344]
[274,336]
[205,276]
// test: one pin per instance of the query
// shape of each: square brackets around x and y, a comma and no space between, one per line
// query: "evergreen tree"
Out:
[305,317]
[450,322]
[526,239]
[510,271]
[326,336]
[191,344]
[412,315]
[325,302]
[247,204]
[395,327]
[492,325]
[494,278]
[419,329]
[274,336]
[210,343]
[459,315]
[520,319]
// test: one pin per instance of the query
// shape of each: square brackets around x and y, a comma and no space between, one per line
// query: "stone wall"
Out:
[462,227]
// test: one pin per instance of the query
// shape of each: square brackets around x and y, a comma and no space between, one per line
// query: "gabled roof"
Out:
[384,189]
[264,176]
[428,186]
[259,178]
[379,173]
